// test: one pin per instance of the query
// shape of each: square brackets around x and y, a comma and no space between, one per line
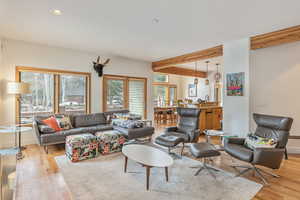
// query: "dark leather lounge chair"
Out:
[268,127]
[186,130]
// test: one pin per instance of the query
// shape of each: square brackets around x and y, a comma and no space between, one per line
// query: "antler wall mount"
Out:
[99,66]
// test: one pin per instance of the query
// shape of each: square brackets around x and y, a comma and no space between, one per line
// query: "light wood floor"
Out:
[38,177]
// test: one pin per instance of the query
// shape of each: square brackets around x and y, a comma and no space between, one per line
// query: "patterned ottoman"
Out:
[81,147]
[110,141]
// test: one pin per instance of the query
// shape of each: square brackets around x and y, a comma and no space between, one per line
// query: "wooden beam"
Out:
[182,71]
[283,36]
[191,57]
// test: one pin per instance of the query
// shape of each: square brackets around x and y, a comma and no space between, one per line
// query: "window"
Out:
[72,94]
[136,97]
[164,94]
[41,98]
[53,91]
[158,78]
[121,92]
[115,94]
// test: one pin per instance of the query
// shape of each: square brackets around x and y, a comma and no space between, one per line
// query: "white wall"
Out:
[275,84]
[236,108]
[1,82]
[202,89]
[18,53]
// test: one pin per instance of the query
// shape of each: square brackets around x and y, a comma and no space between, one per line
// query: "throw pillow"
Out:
[44,129]
[51,122]
[252,141]
[64,122]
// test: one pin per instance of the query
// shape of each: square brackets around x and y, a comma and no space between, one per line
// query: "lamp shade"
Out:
[17,88]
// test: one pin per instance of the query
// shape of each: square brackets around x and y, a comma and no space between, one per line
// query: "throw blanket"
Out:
[127,123]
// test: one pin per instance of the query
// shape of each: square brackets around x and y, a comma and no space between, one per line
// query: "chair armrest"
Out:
[170,129]
[36,131]
[268,157]
[234,140]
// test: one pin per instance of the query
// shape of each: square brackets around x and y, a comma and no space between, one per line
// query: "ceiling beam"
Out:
[182,71]
[283,36]
[190,57]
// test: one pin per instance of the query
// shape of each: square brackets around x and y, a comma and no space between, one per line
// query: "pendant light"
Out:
[218,74]
[217,77]
[207,81]
[196,79]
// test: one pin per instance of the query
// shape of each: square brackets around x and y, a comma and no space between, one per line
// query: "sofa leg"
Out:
[46,149]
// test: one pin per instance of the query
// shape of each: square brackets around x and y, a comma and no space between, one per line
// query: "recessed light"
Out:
[155,20]
[56,12]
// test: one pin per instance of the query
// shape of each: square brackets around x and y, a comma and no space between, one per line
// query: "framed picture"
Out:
[192,90]
[235,84]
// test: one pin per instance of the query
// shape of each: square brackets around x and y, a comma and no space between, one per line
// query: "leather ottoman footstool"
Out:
[81,147]
[204,150]
[169,141]
[110,141]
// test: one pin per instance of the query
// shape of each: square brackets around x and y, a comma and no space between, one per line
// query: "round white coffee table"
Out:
[148,157]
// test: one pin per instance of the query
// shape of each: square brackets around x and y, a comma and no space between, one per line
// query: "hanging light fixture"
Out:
[218,74]
[207,81]
[196,79]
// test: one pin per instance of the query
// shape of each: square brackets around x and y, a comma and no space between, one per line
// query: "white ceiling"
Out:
[127,28]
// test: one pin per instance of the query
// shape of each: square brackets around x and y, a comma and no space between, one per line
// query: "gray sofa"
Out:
[85,123]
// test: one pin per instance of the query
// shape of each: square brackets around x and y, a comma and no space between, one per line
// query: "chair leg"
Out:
[269,173]
[182,149]
[257,171]
[198,171]
[243,172]
[286,154]
[261,176]
[207,167]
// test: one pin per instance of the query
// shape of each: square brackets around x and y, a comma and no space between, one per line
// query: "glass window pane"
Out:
[40,100]
[115,95]
[72,94]
[160,78]
[160,95]
[173,97]
[136,97]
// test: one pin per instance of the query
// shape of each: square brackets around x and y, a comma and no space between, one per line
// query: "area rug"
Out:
[103,178]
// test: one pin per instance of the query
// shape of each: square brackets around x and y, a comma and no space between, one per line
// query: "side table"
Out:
[210,133]
[18,139]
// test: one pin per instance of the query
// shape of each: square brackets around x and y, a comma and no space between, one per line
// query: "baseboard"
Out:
[293,150]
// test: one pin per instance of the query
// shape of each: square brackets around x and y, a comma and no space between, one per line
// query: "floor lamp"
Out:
[18,89]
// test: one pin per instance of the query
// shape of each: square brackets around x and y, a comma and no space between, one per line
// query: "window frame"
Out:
[56,74]
[125,92]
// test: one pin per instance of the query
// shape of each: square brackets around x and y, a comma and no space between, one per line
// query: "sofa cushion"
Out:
[185,137]
[59,137]
[127,123]
[135,133]
[44,129]
[88,120]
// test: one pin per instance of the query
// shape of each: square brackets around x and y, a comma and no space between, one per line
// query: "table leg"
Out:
[20,154]
[148,176]
[125,165]
[167,174]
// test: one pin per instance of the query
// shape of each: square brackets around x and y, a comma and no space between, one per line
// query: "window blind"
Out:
[136,97]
